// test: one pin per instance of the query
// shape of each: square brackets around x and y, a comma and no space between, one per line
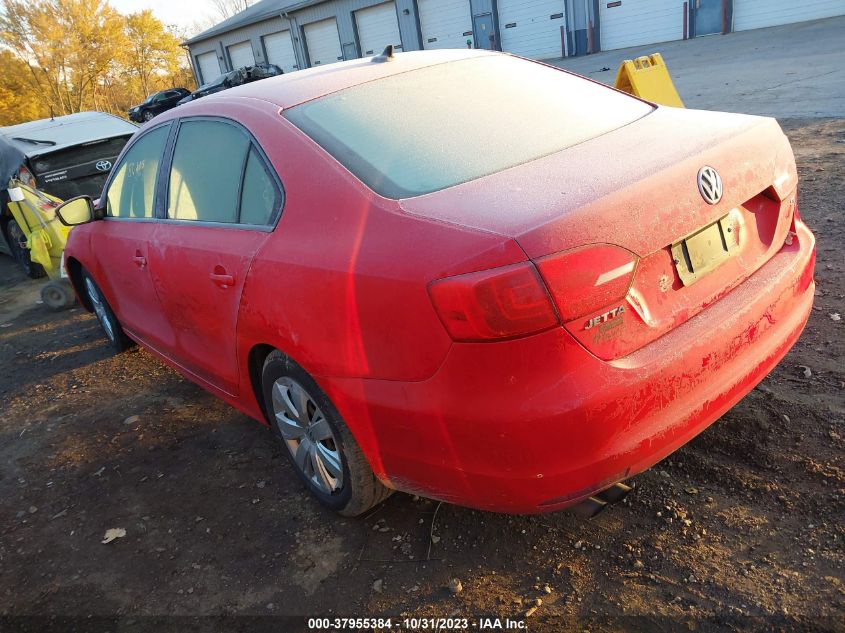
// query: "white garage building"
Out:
[308,33]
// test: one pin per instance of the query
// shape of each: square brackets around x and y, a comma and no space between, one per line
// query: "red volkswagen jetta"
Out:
[460,274]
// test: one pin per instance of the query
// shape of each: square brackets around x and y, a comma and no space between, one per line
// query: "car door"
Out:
[221,202]
[159,104]
[171,98]
[121,242]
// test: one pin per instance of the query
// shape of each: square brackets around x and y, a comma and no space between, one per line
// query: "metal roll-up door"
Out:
[756,14]
[445,23]
[241,55]
[532,28]
[377,27]
[279,49]
[323,42]
[627,23]
[209,67]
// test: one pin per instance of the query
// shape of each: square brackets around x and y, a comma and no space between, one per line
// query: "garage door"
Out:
[445,23]
[531,28]
[637,22]
[279,49]
[241,55]
[323,42]
[209,67]
[755,14]
[377,27]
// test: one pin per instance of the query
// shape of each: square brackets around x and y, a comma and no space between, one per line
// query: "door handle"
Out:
[139,259]
[223,280]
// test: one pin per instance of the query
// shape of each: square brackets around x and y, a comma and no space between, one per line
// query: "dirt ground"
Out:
[742,529]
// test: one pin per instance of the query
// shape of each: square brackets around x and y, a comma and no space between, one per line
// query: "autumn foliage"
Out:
[65,56]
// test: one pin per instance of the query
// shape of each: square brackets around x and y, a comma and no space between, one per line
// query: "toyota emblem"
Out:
[709,185]
[105,165]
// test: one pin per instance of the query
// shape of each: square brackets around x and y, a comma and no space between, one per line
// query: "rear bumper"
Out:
[539,423]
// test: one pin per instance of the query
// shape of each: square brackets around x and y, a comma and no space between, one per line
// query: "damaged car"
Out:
[516,327]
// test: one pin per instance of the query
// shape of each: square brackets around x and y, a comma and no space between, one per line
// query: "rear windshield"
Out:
[78,170]
[79,154]
[433,128]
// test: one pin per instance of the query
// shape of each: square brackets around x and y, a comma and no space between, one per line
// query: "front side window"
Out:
[131,193]
[205,177]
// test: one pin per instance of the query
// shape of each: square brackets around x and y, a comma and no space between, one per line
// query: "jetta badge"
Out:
[709,184]
[604,318]
[103,165]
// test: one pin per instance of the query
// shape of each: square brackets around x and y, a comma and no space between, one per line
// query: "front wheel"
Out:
[321,448]
[111,326]
[147,116]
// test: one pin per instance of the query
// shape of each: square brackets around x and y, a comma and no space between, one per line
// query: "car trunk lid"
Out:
[636,189]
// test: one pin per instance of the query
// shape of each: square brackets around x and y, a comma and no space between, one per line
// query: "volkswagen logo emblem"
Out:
[709,184]
[105,165]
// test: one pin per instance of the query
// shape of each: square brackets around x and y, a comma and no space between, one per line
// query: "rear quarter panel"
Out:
[341,285]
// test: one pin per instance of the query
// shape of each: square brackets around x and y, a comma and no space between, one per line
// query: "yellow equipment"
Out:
[648,78]
[35,213]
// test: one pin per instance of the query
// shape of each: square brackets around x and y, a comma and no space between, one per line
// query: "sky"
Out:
[185,14]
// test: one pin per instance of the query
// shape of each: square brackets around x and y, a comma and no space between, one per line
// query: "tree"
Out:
[68,45]
[64,56]
[228,8]
[153,50]
[18,101]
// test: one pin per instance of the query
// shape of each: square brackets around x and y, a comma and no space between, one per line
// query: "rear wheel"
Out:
[17,240]
[321,448]
[111,326]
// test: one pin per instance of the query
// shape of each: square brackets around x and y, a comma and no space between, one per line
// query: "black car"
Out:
[65,156]
[157,103]
[233,78]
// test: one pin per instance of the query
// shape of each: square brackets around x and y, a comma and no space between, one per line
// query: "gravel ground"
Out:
[742,529]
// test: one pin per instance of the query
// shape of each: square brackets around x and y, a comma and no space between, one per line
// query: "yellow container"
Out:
[648,78]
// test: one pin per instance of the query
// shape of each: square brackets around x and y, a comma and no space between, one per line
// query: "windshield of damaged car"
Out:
[432,128]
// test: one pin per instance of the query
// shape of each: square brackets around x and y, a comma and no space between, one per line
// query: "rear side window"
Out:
[205,177]
[132,190]
[260,197]
[432,128]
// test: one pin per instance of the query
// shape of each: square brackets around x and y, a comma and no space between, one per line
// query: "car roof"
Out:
[66,131]
[291,89]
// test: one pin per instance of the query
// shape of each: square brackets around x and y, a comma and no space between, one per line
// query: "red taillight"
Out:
[584,280]
[26,177]
[494,304]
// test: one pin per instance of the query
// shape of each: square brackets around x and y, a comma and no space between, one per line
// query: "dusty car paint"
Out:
[342,285]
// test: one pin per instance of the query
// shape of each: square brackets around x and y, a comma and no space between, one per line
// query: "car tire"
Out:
[147,116]
[57,295]
[326,457]
[102,310]
[15,236]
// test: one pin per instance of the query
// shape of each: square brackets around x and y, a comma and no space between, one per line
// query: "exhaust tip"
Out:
[593,505]
[588,508]
[614,494]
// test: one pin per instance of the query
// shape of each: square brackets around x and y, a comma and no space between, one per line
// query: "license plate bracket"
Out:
[705,250]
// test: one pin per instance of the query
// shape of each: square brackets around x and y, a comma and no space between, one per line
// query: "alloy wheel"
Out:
[308,435]
[99,308]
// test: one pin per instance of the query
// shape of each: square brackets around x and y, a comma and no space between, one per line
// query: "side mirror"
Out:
[76,211]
